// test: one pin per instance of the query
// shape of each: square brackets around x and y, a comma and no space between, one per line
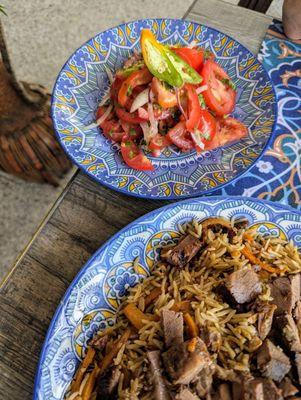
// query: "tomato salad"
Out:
[168,96]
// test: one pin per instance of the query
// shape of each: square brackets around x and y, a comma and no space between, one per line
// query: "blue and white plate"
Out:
[83,81]
[92,299]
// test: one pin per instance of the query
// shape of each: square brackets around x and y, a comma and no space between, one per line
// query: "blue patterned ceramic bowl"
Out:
[83,81]
[93,297]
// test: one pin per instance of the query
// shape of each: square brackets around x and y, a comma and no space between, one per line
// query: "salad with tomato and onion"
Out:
[168,96]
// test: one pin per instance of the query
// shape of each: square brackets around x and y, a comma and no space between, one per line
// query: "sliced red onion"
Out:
[142,113]
[152,120]
[163,115]
[192,44]
[125,126]
[196,137]
[156,153]
[179,103]
[140,100]
[110,75]
[201,89]
[146,131]
[151,96]
[101,119]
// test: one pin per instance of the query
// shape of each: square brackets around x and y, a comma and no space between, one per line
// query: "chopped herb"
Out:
[131,154]
[203,135]
[111,132]
[229,83]
[132,132]
[207,54]
[128,143]
[143,142]
[202,100]
[129,91]
[226,116]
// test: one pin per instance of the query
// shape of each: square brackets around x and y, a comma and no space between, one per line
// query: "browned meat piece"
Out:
[107,384]
[183,252]
[224,392]
[285,292]
[160,389]
[204,381]
[289,332]
[297,311]
[186,394]
[252,389]
[212,339]
[241,287]
[256,389]
[298,366]
[272,361]
[237,390]
[265,319]
[173,327]
[184,362]
[288,389]
[99,343]
[270,390]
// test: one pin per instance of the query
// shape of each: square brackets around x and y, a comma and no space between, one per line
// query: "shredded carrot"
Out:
[254,260]
[181,306]
[249,238]
[154,294]
[191,345]
[75,385]
[191,325]
[108,358]
[135,316]
[89,386]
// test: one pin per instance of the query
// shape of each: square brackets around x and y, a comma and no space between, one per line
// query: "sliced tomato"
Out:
[193,56]
[159,142]
[194,108]
[220,95]
[179,136]
[134,157]
[207,127]
[111,127]
[131,118]
[228,130]
[140,77]
[164,97]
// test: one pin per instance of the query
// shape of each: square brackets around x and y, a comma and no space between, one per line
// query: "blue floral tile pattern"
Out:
[277,175]
[83,81]
[95,294]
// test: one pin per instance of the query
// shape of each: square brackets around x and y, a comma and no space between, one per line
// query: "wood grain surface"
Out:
[82,219]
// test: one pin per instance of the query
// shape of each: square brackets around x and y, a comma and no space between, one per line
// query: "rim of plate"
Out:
[112,239]
[172,197]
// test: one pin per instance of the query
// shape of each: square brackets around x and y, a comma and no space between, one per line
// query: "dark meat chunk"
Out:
[160,389]
[241,287]
[289,332]
[212,339]
[272,362]
[252,389]
[265,318]
[298,366]
[99,343]
[186,394]
[288,389]
[224,392]
[271,391]
[107,385]
[183,252]
[183,363]
[173,327]
[237,390]
[285,292]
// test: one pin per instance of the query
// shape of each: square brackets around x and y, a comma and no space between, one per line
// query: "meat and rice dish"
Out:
[219,317]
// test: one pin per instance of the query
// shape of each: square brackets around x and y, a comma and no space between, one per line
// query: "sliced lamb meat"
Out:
[212,339]
[252,389]
[237,390]
[265,319]
[288,389]
[186,394]
[270,390]
[272,361]
[183,252]
[298,366]
[285,292]
[160,389]
[173,327]
[184,362]
[289,332]
[240,287]
[224,392]
[204,381]
[107,385]
[99,343]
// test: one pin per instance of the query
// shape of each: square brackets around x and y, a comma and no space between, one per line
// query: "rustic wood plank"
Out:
[83,218]
[247,26]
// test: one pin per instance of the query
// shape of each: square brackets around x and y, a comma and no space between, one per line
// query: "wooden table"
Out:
[84,217]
